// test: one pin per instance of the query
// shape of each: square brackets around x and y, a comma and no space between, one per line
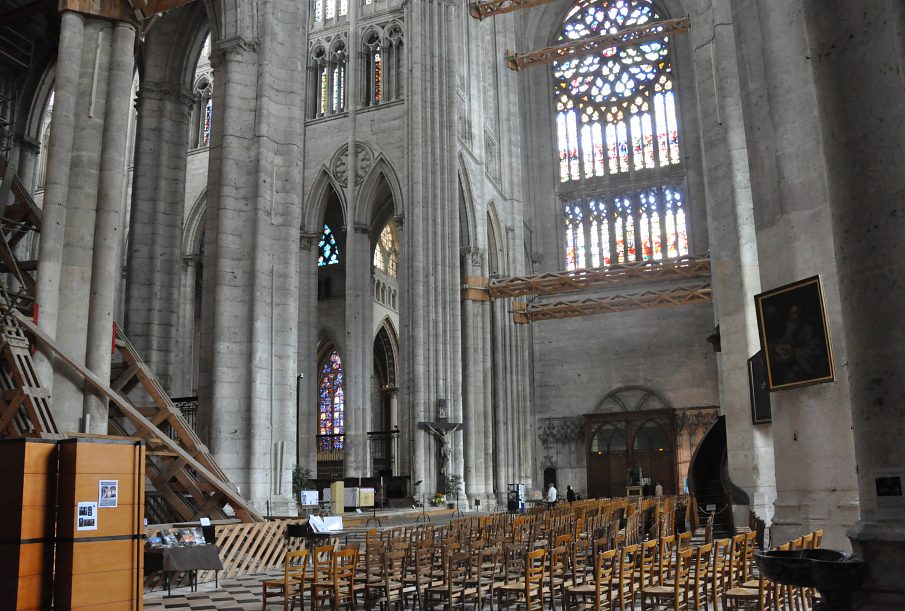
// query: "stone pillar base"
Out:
[882,546]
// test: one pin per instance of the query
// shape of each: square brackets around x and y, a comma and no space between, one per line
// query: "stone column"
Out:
[97,151]
[816,486]
[859,69]
[251,267]
[56,188]
[431,334]
[473,405]
[358,361]
[29,152]
[155,239]
[185,338]
[307,351]
[106,268]
[733,249]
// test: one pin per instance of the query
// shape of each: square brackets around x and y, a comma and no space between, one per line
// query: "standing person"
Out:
[570,494]
[658,490]
[551,496]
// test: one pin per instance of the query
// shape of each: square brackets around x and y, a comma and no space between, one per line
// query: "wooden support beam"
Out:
[618,275]
[586,46]
[200,470]
[474,288]
[490,8]
[619,302]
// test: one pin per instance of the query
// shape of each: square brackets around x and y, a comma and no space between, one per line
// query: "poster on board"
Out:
[87,516]
[108,493]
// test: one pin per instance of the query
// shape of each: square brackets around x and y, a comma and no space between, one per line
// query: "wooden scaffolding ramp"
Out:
[24,403]
[182,470]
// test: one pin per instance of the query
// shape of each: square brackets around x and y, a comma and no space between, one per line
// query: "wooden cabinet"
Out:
[100,567]
[28,472]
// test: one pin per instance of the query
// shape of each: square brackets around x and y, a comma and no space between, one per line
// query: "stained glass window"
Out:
[615,109]
[331,399]
[331,9]
[642,225]
[343,7]
[386,254]
[318,10]
[329,249]
[206,128]
[617,137]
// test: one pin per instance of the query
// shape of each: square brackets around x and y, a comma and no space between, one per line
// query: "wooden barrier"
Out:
[245,549]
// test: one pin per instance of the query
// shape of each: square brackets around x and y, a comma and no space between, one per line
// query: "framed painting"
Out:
[795,335]
[757,387]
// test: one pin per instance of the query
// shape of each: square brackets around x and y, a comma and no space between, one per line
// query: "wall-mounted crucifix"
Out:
[442,431]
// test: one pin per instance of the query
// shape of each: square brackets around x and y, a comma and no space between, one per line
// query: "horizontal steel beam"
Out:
[586,46]
[619,302]
[490,8]
[625,274]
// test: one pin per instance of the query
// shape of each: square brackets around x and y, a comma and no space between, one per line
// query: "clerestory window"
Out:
[621,175]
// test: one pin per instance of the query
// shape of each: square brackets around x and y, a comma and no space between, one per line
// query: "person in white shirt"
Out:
[551,496]
[658,490]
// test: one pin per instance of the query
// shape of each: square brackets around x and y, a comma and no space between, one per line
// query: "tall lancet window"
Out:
[617,137]
[383,53]
[331,401]
[386,254]
[329,249]
[338,78]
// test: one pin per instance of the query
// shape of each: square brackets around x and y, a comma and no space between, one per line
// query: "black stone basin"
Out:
[834,574]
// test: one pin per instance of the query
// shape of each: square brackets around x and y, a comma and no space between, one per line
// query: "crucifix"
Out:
[442,431]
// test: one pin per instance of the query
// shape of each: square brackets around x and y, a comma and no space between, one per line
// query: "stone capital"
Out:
[164,92]
[361,228]
[29,144]
[232,49]
[307,239]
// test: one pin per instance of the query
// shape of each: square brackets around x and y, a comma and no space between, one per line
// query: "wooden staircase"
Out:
[179,466]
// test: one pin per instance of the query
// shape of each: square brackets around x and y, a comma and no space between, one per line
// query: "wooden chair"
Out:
[418,582]
[292,585]
[624,580]
[736,595]
[673,596]
[666,545]
[528,591]
[339,590]
[598,595]
[558,573]
[699,579]
[455,589]
[719,569]
[646,572]
[390,589]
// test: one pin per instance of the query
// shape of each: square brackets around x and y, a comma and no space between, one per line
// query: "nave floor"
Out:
[241,594]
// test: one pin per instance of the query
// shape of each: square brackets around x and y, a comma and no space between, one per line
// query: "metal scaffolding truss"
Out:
[578,48]
[490,8]
[628,274]
[617,302]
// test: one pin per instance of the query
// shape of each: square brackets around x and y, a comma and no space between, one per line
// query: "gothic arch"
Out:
[496,243]
[194,225]
[387,340]
[232,21]
[468,232]
[172,46]
[632,398]
[370,211]
[317,200]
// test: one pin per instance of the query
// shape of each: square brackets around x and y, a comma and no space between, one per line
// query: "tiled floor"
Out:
[242,594]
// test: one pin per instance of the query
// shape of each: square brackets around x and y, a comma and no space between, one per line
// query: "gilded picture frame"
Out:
[795,335]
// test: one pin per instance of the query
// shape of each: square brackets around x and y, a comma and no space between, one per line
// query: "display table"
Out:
[190,558]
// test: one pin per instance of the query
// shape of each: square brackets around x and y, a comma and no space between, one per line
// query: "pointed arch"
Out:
[632,398]
[193,228]
[318,199]
[496,245]
[233,20]
[172,47]
[386,344]
[372,209]
[467,217]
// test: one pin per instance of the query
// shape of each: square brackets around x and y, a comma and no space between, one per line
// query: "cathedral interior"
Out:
[458,246]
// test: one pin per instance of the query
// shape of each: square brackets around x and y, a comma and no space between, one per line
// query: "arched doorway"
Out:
[619,442]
